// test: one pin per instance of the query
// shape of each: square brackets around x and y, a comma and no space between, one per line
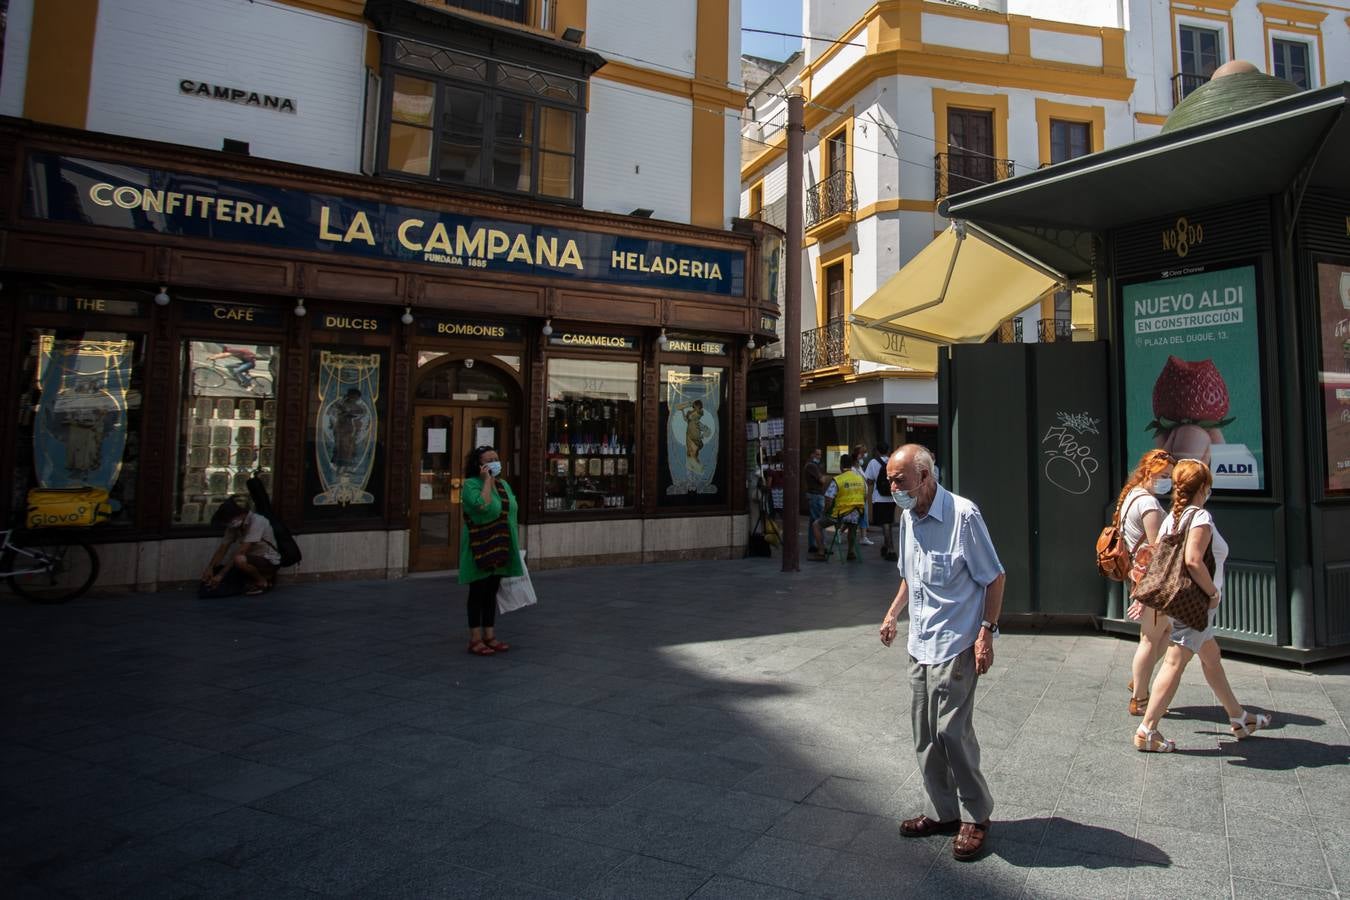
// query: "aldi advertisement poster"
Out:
[1333,291]
[1193,373]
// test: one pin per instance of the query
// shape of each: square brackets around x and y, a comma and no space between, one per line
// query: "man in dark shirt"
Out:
[247,359]
[813,481]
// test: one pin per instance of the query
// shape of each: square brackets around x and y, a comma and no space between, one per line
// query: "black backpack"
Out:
[286,546]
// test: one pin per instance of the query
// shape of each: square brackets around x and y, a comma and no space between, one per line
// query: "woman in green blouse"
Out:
[489,545]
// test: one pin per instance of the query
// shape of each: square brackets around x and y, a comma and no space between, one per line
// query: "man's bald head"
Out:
[918,454]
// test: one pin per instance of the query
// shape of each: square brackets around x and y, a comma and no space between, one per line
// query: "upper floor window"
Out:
[1069,140]
[1199,57]
[1290,60]
[836,153]
[463,119]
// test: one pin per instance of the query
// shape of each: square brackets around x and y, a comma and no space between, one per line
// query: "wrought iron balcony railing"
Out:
[960,171]
[511,10]
[1049,331]
[823,347]
[1183,83]
[1009,332]
[829,198]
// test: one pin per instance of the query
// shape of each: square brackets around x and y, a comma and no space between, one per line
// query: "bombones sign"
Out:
[92,192]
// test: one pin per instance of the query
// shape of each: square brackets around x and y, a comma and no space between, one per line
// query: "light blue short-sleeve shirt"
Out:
[948,559]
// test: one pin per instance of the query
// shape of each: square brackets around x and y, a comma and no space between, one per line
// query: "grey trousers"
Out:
[944,739]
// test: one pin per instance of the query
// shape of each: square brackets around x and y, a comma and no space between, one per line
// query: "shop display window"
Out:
[229,424]
[1333,288]
[592,432]
[80,415]
[692,467]
[344,468]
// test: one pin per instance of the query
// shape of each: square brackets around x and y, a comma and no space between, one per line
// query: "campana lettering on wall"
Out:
[236,95]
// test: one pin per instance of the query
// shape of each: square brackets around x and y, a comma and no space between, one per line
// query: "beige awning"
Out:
[955,291]
[894,349]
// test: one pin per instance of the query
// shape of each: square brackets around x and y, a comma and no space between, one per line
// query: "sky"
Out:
[773,15]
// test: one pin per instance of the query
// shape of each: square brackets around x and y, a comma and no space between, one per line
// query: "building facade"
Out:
[342,244]
[911,101]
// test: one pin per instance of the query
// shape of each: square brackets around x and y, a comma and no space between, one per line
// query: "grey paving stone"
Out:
[514,853]
[231,778]
[1166,845]
[1074,873]
[781,863]
[648,877]
[784,783]
[724,887]
[1200,884]
[820,826]
[1000,873]
[665,836]
[734,808]
[1252,889]
[432,879]
[1297,862]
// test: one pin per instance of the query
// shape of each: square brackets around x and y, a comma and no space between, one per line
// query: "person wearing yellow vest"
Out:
[844,501]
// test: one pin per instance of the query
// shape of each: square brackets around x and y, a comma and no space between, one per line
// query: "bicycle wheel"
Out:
[260,385]
[65,567]
[208,377]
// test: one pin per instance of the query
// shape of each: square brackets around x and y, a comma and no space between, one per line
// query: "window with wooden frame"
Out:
[1069,140]
[1291,60]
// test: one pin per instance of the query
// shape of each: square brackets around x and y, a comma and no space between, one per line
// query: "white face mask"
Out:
[494,468]
[1162,486]
[904,499]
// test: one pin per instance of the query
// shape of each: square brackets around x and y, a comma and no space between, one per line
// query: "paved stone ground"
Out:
[685,730]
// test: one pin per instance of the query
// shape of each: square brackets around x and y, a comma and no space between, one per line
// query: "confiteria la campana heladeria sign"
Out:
[111,195]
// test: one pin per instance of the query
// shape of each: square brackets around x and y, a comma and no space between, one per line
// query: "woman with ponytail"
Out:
[1139,514]
[1191,485]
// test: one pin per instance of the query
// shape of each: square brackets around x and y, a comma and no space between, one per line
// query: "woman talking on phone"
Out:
[489,545]
[1191,485]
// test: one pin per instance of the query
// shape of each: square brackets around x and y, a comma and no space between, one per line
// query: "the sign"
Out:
[360,324]
[695,344]
[134,198]
[592,341]
[1182,236]
[900,350]
[473,329]
[87,305]
[768,323]
[1333,293]
[234,314]
[236,95]
[1193,373]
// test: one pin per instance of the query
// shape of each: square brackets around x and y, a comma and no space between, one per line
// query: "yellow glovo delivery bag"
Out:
[67,507]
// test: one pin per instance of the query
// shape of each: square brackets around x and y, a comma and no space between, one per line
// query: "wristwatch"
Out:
[993,629]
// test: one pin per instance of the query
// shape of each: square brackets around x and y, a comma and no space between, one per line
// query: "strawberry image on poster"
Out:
[1190,408]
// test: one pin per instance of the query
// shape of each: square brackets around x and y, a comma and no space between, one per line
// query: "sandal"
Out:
[1249,724]
[478,648]
[1138,706]
[1130,687]
[922,826]
[1149,740]
[970,840]
[497,646]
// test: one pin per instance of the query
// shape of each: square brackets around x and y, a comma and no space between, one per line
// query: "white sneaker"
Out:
[868,541]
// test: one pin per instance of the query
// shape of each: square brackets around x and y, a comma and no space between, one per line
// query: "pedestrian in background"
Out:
[843,508]
[1139,515]
[860,467]
[489,545]
[1192,484]
[883,507]
[952,581]
[813,482]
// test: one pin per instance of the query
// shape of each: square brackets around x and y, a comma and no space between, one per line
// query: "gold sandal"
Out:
[1149,740]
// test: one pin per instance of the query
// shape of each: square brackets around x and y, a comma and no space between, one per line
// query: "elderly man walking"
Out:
[952,581]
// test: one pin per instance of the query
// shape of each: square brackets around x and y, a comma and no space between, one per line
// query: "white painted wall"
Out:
[843,59]
[638,151]
[1097,13]
[14,78]
[1056,46]
[829,19]
[947,31]
[143,48]
[649,33]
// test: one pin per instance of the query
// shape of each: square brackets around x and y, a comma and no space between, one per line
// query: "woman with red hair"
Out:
[1139,514]
[1191,486]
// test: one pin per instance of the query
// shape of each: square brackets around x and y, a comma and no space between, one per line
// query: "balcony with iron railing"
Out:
[823,348]
[830,205]
[1050,331]
[960,171]
[510,10]
[1184,84]
[1009,332]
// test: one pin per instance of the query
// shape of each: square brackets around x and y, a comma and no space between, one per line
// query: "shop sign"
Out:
[136,198]
[351,323]
[87,305]
[1182,236]
[576,339]
[768,323]
[436,326]
[233,314]
[1193,373]
[235,95]
[690,344]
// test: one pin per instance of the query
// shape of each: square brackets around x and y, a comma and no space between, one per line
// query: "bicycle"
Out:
[215,375]
[48,566]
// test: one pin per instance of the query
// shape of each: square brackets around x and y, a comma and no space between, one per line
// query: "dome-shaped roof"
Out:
[1233,87]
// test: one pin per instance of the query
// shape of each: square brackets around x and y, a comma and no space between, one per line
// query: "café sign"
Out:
[182,204]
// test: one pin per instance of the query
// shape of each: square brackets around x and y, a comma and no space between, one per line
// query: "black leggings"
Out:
[483,601]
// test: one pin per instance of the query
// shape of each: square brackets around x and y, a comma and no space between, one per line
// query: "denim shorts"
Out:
[1191,639]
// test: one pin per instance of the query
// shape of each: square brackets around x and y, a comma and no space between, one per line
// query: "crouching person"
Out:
[248,548]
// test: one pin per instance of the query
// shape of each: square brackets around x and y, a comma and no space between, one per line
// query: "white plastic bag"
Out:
[516,592]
